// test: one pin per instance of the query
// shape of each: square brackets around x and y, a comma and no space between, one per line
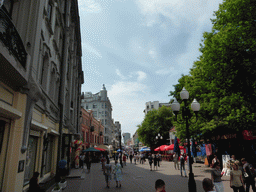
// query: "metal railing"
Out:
[11,38]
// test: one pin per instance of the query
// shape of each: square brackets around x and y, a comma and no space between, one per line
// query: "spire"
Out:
[103,88]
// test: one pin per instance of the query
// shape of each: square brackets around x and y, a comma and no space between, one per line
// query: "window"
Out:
[94,113]
[147,107]
[49,12]
[102,106]
[106,121]
[94,106]
[152,106]
[52,84]
[49,152]
[86,107]
[30,158]
[44,73]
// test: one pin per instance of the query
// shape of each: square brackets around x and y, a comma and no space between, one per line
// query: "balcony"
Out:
[11,38]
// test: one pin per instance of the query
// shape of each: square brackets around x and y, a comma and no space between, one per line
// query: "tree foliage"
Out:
[223,79]
[155,121]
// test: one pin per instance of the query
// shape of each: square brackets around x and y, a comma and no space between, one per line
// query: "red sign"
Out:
[248,135]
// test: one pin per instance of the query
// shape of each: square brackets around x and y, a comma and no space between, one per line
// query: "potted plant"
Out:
[57,188]
[63,183]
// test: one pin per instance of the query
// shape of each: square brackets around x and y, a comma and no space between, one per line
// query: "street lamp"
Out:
[159,136]
[184,94]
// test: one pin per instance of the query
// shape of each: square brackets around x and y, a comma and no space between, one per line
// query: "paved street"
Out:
[140,178]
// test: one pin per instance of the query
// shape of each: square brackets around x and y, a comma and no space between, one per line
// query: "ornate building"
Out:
[101,108]
[40,88]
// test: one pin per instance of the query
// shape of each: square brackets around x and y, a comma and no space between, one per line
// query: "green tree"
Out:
[223,79]
[156,121]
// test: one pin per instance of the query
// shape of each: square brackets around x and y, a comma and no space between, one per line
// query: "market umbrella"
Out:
[144,149]
[119,150]
[100,149]
[176,148]
[157,149]
[91,149]
[162,147]
[103,147]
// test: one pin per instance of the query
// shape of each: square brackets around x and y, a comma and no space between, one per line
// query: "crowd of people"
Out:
[242,173]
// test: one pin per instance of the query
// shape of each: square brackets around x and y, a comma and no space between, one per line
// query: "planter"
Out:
[63,185]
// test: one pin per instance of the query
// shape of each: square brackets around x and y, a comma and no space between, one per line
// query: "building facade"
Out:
[91,129]
[40,82]
[126,137]
[154,105]
[101,108]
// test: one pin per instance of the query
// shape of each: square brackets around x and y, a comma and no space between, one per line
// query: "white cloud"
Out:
[127,89]
[89,6]
[89,48]
[120,74]
[141,75]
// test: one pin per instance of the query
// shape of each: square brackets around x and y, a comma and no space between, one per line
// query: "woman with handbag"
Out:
[236,180]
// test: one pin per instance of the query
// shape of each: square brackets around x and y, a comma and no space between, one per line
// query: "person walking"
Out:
[81,158]
[150,160]
[88,162]
[236,180]
[216,177]
[131,157]
[135,158]
[124,159]
[107,172]
[117,171]
[159,158]
[182,164]
[248,175]
[155,161]
[176,160]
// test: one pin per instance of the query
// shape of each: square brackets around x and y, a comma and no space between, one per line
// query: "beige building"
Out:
[40,88]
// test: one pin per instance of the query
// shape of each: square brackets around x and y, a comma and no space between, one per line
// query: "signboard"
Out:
[226,165]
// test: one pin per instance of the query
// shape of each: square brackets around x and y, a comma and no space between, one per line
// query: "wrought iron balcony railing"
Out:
[11,38]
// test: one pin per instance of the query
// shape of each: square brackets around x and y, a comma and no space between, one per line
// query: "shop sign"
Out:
[227,136]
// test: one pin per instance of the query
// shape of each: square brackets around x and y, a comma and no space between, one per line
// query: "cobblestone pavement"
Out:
[139,178]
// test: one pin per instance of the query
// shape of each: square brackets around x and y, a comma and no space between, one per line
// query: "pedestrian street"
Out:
[139,178]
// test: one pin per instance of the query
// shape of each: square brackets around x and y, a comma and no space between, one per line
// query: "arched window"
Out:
[44,73]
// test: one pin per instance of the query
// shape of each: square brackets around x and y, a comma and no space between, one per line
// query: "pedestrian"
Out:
[215,159]
[236,180]
[62,168]
[103,162]
[176,160]
[248,172]
[160,185]
[130,157]
[135,158]
[182,164]
[81,158]
[216,177]
[124,159]
[150,160]
[155,162]
[88,162]
[140,157]
[117,171]
[159,158]
[33,183]
[107,172]
[208,185]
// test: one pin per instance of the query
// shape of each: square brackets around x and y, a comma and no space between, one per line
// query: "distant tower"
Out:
[103,93]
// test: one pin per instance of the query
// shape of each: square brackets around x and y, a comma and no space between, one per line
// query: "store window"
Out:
[30,158]
[4,132]
[49,153]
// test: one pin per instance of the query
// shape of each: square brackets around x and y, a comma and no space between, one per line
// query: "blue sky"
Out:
[139,49]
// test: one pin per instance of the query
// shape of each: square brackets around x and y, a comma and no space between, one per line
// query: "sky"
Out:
[139,49]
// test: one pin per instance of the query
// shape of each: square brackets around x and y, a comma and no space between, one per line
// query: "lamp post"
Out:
[184,94]
[158,137]
[120,147]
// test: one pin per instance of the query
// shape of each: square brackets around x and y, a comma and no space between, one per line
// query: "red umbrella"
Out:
[162,147]
[157,149]
[100,149]
[171,147]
